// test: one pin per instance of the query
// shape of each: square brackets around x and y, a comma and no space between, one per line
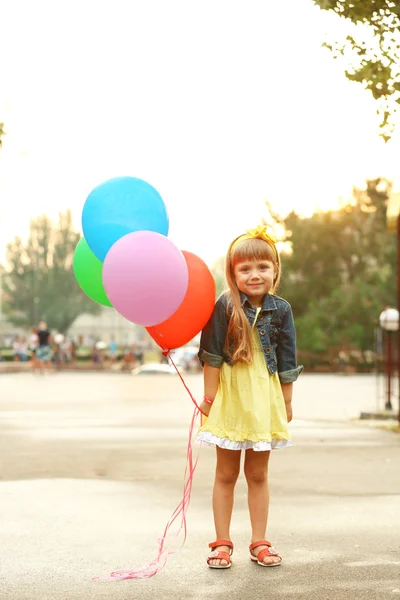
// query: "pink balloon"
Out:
[145,277]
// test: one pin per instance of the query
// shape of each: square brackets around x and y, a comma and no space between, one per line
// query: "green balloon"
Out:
[88,270]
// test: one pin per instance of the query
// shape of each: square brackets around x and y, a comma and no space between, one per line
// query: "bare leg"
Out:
[33,362]
[226,474]
[49,366]
[256,473]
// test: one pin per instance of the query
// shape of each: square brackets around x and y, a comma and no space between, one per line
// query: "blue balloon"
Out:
[120,206]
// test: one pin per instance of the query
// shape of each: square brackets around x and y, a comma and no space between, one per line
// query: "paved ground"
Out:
[91,468]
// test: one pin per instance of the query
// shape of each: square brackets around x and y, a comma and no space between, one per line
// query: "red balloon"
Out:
[194,312]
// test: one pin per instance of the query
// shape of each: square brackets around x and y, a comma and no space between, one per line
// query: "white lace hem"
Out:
[208,439]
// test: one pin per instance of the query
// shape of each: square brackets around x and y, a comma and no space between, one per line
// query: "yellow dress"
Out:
[249,409]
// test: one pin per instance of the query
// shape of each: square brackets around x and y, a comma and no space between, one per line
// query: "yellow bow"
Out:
[257,233]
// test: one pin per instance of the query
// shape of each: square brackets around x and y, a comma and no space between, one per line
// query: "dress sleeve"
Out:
[213,336]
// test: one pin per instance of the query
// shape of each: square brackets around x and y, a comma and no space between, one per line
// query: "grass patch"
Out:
[391,426]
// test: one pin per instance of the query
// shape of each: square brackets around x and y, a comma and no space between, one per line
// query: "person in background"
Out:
[139,354]
[33,344]
[113,350]
[65,350]
[128,359]
[73,349]
[23,350]
[43,350]
[16,347]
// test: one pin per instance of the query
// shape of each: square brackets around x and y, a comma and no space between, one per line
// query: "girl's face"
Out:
[254,278]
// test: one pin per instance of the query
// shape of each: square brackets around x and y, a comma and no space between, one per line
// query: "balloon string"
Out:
[167,353]
[160,561]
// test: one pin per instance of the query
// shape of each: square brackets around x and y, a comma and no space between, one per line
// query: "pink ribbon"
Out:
[156,565]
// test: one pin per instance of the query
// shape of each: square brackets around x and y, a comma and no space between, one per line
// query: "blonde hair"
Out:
[238,343]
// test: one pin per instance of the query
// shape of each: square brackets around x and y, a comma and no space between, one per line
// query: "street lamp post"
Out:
[389,321]
[398,308]
[393,225]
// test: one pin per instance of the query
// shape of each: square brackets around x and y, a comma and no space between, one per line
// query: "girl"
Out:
[248,350]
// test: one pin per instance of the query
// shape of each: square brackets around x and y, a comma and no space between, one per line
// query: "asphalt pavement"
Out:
[91,469]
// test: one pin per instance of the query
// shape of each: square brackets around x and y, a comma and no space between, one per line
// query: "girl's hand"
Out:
[205,408]
[289,412]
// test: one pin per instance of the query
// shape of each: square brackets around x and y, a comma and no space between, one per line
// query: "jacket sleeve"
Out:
[213,336]
[288,370]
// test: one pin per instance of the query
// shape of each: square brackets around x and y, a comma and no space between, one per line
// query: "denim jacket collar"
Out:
[275,329]
[268,302]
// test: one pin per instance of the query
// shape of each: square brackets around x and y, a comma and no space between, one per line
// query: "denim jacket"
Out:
[275,328]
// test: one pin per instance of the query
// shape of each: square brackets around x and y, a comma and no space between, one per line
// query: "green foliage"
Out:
[218,271]
[341,271]
[373,51]
[2,132]
[338,273]
[39,282]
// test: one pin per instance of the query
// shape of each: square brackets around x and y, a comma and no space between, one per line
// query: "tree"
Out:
[341,271]
[373,51]
[39,282]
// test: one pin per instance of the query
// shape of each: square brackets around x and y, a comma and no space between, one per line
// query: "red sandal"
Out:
[269,551]
[220,554]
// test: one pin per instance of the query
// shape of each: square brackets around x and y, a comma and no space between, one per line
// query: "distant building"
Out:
[87,329]
[8,332]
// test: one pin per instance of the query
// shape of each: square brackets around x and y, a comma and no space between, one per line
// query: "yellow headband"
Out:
[257,233]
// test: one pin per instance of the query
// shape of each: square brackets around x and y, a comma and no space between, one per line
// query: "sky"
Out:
[219,104]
